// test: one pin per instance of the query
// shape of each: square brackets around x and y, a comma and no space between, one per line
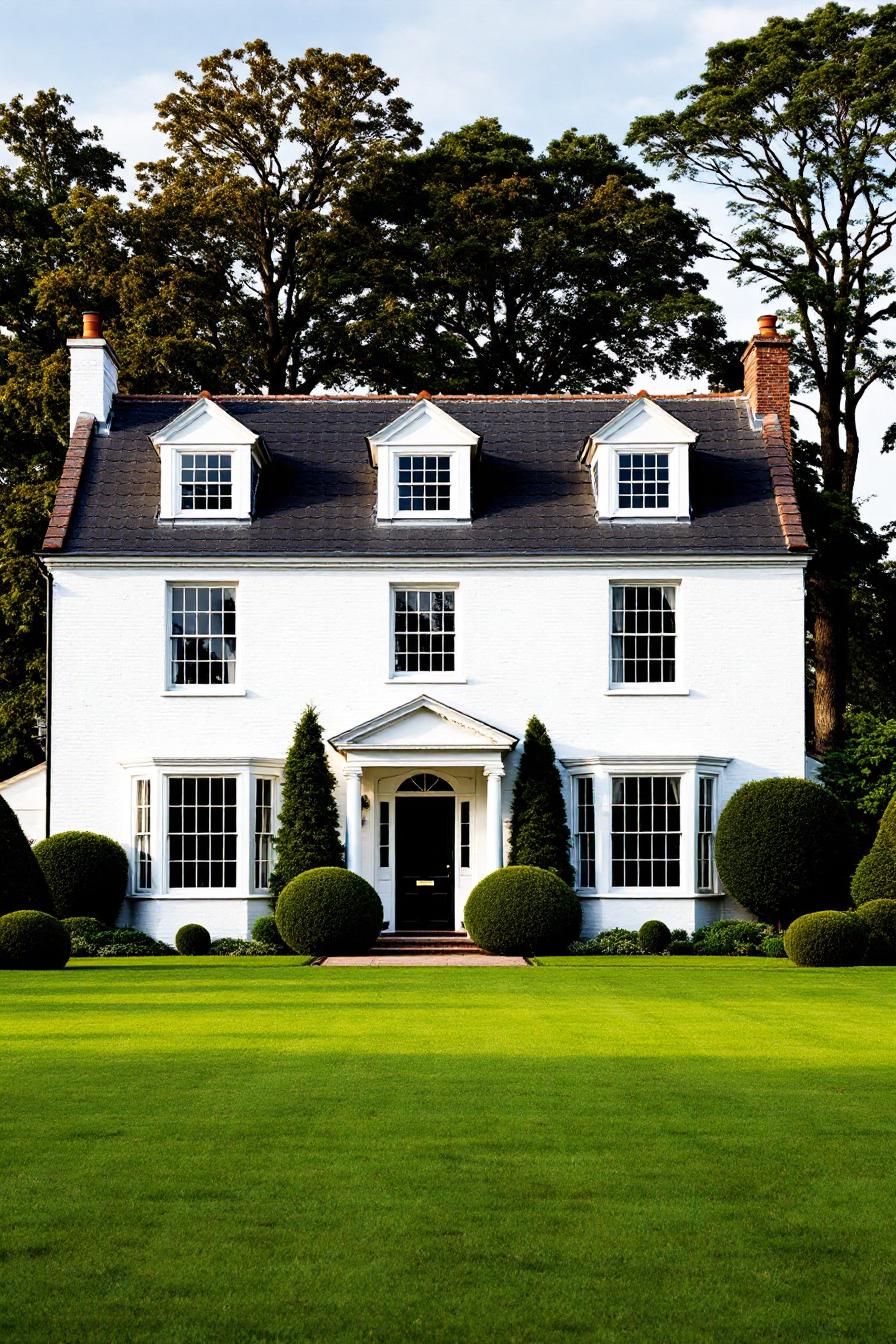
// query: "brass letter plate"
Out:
[425,882]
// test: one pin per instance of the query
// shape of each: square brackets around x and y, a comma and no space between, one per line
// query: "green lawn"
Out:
[621,1149]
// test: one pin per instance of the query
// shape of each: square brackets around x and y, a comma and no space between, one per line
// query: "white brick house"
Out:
[429,573]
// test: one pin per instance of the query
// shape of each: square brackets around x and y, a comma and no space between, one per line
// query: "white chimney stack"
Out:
[94,375]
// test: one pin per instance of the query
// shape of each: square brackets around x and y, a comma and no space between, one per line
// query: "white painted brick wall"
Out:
[533,640]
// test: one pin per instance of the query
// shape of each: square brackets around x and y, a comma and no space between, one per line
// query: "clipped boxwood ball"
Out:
[781,842]
[329,910]
[522,910]
[826,938]
[264,930]
[87,874]
[875,877]
[192,940]
[880,919]
[654,936]
[31,940]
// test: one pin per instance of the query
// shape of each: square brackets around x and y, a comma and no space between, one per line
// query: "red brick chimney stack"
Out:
[766,362]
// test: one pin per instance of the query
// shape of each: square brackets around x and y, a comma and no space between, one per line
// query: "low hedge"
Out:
[87,874]
[609,943]
[654,936]
[31,940]
[875,877]
[731,938]
[83,926]
[522,910]
[22,883]
[240,947]
[329,910]
[680,947]
[827,938]
[773,946]
[193,940]
[880,919]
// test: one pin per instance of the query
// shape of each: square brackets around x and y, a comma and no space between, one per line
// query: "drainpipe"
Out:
[48,689]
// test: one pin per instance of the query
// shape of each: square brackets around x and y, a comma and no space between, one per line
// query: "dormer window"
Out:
[210,463]
[423,462]
[424,484]
[640,465]
[206,481]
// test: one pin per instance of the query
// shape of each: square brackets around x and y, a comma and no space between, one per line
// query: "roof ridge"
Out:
[435,396]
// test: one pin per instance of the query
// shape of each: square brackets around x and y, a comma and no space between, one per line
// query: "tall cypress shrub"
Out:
[308,834]
[22,883]
[539,832]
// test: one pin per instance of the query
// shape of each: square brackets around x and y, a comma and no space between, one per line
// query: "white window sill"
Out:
[647,894]
[213,516]
[424,520]
[205,692]
[202,894]
[658,688]
[427,679]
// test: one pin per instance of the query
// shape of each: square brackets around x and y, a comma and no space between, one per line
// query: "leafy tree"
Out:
[50,158]
[862,771]
[490,268]
[308,834]
[234,245]
[797,124]
[539,832]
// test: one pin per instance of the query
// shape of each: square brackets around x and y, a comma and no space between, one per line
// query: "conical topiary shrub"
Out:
[308,833]
[539,832]
[22,883]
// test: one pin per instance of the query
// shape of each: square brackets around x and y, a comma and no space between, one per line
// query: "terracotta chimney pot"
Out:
[91,326]
[768,324]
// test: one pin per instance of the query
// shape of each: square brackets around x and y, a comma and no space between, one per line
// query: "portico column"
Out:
[353,818]
[494,846]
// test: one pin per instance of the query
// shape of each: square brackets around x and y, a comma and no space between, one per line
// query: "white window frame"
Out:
[674,888]
[575,777]
[459,469]
[425,455]
[432,586]
[235,484]
[674,687]
[259,777]
[234,688]
[246,770]
[640,427]
[139,832]
[714,889]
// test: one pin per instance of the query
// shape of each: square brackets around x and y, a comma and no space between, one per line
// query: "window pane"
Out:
[643,480]
[706,869]
[465,835]
[642,634]
[423,634]
[424,484]
[646,831]
[202,831]
[384,835]
[264,828]
[142,851]
[203,636]
[585,840]
[206,481]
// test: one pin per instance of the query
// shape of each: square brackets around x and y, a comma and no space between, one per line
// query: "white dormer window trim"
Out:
[641,457]
[411,490]
[197,451]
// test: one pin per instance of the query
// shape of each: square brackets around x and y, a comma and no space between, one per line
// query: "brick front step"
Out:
[426,942]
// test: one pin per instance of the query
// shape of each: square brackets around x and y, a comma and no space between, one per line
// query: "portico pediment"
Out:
[423,725]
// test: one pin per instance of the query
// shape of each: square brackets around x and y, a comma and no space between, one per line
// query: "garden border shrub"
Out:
[22,882]
[875,876]
[826,938]
[32,940]
[193,940]
[87,874]
[880,919]
[522,910]
[329,910]
[654,936]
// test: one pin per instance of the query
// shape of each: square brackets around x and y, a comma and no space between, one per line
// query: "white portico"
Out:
[424,817]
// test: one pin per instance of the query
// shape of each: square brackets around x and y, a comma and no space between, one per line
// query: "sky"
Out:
[540,66]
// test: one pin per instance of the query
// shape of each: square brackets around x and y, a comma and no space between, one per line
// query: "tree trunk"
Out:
[831,630]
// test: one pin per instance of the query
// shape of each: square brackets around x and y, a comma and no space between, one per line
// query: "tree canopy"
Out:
[491,268]
[797,124]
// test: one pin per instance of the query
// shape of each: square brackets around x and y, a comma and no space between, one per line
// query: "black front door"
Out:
[424,863]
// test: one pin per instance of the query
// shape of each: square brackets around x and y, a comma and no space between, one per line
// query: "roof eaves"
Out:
[781,468]
[69,481]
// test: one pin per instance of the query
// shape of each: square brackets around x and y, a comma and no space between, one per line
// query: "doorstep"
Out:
[425,959]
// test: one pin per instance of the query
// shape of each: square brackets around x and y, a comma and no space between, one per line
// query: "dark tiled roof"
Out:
[532,495]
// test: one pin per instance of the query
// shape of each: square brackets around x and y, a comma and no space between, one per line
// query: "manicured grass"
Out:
[655,1150]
